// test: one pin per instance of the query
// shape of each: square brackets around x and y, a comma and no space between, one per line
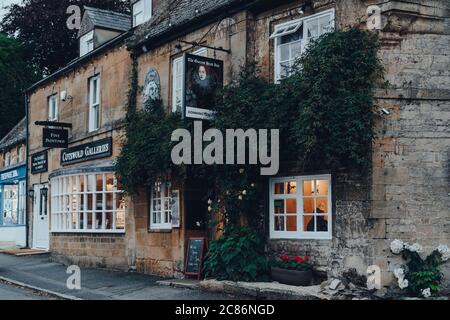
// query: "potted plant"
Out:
[294,270]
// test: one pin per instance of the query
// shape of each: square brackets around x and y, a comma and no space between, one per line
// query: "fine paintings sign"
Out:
[39,162]
[203,77]
[55,138]
[85,152]
[194,256]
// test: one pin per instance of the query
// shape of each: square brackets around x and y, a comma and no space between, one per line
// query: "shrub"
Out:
[292,263]
[238,255]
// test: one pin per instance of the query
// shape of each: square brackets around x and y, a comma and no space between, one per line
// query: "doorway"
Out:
[40,217]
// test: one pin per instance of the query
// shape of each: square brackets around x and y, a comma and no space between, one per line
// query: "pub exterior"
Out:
[89,219]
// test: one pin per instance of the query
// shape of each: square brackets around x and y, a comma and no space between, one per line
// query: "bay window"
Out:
[300,207]
[164,207]
[87,203]
[292,38]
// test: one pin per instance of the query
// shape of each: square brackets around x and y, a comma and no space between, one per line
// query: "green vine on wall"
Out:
[323,111]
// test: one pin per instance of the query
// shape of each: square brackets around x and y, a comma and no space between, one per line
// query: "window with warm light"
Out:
[292,38]
[300,207]
[87,203]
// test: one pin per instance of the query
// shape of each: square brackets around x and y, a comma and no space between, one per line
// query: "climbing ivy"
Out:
[323,111]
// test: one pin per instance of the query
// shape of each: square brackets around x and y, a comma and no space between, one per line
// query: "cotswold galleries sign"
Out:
[85,152]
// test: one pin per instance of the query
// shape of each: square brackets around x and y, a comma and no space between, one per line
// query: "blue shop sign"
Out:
[12,175]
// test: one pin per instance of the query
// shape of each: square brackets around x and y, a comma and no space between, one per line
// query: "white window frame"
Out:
[299,234]
[142,12]
[166,196]
[283,29]
[87,43]
[66,190]
[53,107]
[21,154]
[94,104]
[180,76]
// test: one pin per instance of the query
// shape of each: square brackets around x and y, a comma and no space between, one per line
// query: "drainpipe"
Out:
[27,204]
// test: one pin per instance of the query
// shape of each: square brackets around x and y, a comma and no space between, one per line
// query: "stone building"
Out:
[13,187]
[407,196]
[78,209]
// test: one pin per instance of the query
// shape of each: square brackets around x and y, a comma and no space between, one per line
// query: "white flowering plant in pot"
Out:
[419,277]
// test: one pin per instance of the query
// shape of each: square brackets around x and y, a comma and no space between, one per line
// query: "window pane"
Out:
[99,182]
[308,188]
[322,205]
[322,223]
[308,205]
[89,204]
[109,220]
[279,188]
[298,35]
[109,201]
[284,53]
[308,223]
[324,24]
[313,28]
[291,187]
[109,182]
[91,183]
[279,223]
[279,206]
[291,206]
[291,223]
[322,187]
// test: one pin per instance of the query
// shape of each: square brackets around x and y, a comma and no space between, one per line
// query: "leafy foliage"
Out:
[16,76]
[238,255]
[422,273]
[41,26]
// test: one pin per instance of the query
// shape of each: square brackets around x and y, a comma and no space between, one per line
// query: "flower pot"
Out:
[291,277]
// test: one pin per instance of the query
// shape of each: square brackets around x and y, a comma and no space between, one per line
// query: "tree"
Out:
[41,26]
[15,76]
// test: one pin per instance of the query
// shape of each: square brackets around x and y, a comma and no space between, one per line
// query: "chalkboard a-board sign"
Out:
[194,256]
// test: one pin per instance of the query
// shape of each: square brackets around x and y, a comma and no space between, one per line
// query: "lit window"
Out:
[292,38]
[94,103]
[142,12]
[164,207]
[300,207]
[87,203]
[87,43]
[53,107]
[178,79]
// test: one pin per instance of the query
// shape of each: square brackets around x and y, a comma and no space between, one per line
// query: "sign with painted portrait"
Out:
[203,77]
[152,87]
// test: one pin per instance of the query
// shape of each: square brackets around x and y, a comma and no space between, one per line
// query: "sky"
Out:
[5,3]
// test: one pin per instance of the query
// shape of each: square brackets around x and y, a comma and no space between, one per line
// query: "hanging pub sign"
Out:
[39,162]
[55,138]
[203,77]
[85,152]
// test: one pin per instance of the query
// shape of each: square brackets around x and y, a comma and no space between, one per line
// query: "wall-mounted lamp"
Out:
[31,193]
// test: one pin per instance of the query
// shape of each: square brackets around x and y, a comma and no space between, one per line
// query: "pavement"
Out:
[11,292]
[40,274]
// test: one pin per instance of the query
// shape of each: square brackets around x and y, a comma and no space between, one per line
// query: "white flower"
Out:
[209,201]
[444,251]
[244,192]
[414,248]
[397,246]
[399,273]
[253,185]
[426,293]
[241,171]
[403,283]
[209,208]
[240,197]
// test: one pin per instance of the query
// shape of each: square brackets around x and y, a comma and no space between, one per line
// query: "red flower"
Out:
[299,259]
[284,258]
[306,258]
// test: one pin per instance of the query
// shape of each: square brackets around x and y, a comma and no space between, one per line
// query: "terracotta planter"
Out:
[291,277]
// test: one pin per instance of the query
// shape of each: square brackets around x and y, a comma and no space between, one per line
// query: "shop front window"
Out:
[87,203]
[14,204]
[300,207]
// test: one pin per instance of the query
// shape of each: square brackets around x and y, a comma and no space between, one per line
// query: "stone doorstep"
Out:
[23,252]
[259,290]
